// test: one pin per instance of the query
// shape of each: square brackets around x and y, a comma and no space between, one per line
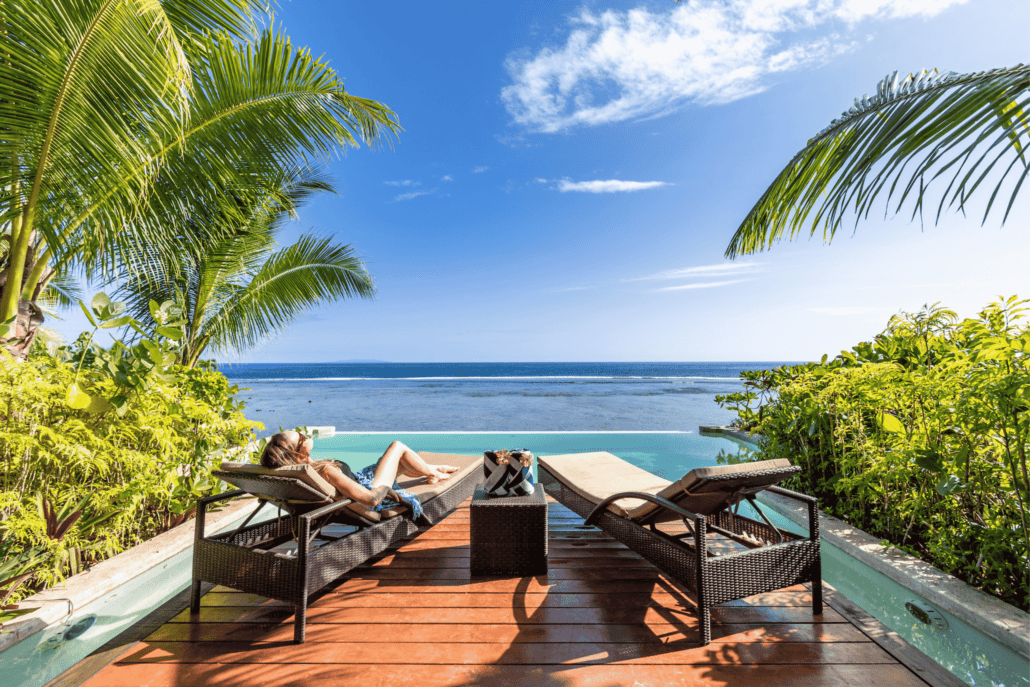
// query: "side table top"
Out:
[537,498]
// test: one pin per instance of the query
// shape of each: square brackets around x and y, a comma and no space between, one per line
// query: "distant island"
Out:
[360,362]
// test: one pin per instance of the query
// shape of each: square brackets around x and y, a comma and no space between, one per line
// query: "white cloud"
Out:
[842,311]
[609,186]
[479,170]
[446,177]
[413,194]
[405,182]
[618,65]
[703,285]
[721,269]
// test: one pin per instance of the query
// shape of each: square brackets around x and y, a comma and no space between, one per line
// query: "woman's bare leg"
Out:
[399,459]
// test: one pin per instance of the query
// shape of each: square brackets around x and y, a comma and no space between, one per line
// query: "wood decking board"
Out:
[602,616]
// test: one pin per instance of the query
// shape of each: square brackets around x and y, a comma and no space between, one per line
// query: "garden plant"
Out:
[918,437]
[102,448]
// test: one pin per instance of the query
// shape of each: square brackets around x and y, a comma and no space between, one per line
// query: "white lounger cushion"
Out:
[596,476]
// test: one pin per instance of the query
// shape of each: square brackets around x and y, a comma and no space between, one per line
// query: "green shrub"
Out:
[919,438]
[87,474]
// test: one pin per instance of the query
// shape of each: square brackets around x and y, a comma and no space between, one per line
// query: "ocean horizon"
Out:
[489,397]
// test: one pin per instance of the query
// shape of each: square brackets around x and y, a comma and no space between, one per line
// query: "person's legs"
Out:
[399,459]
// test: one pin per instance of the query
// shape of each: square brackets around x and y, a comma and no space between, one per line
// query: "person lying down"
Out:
[374,487]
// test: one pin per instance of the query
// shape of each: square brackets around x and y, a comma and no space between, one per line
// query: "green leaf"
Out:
[929,460]
[100,304]
[889,423]
[173,333]
[948,485]
[98,404]
[117,322]
[76,398]
[88,315]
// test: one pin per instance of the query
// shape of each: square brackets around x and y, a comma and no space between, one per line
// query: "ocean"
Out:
[488,397]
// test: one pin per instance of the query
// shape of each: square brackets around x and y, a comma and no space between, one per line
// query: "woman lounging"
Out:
[374,486]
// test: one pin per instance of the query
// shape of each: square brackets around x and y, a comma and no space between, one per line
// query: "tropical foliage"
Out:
[237,289]
[123,117]
[103,448]
[965,132]
[919,437]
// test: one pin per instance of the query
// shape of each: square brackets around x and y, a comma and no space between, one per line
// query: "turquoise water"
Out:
[667,454]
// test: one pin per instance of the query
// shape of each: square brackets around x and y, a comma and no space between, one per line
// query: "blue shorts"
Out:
[364,478]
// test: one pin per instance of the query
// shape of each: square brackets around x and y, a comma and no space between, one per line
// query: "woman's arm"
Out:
[351,489]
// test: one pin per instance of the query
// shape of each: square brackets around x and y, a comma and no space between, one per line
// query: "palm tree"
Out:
[963,129]
[238,290]
[121,117]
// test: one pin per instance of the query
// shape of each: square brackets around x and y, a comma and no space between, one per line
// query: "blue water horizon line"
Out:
[510,371]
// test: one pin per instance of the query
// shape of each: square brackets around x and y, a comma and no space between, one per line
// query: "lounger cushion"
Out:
[596,476]
[305,473]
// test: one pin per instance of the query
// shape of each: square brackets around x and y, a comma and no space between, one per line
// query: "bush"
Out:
[919,437]
[80,484]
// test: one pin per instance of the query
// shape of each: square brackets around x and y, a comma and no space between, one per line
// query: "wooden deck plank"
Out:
[643,633]
[602,616]
[533,601]
[402,675]
[517,615]
[551,650]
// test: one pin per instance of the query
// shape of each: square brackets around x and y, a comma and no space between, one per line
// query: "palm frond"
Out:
[311,272]
[62,292]
[255,109]
[923,130]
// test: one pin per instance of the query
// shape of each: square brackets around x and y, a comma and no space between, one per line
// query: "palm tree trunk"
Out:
[28,316]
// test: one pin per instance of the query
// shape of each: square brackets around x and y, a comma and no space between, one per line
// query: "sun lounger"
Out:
[630,503]
[290,557]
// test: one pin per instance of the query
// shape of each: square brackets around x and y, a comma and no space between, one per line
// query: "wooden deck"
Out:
[602,616]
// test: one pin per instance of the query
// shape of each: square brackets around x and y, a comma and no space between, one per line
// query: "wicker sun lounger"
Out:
[629,503]
[289,557]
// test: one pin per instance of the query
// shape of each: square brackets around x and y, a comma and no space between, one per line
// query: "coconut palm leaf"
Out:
[254,109]
[311,272]
[959,131]
[237,290]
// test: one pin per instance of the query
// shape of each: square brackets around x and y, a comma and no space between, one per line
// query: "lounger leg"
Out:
[817,589]
[195,597]
[817,568]
[299,625]
[704,617]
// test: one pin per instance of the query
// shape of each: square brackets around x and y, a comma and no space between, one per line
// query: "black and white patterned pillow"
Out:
[504,473]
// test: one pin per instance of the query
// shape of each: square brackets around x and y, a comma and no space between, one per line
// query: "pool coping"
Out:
[57,603]
[1000,621]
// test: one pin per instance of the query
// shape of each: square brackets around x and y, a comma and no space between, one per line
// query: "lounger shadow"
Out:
[291,556]
[629,503]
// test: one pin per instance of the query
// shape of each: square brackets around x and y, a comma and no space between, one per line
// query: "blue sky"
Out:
[516,220]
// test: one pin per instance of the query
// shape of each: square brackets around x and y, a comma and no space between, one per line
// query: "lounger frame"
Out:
[243,559]
[712,579]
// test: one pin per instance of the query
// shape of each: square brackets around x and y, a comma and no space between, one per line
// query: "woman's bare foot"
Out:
[440,473]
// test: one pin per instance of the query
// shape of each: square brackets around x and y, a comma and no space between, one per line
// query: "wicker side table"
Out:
[508,534]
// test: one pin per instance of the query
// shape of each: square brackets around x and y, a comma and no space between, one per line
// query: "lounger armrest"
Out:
[792,494]
[332,508]
[224,496]
[658,500]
